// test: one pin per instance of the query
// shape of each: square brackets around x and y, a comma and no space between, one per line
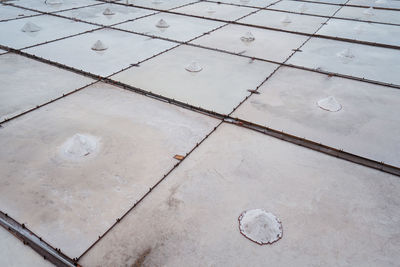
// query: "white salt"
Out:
[108,12]
[193,67]
[30,27]
[329,104]
[260,226]
[79,146]
[247,37]
[162,24]
[99,46]
[286,20]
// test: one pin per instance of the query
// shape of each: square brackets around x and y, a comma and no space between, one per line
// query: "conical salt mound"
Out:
[369,11]
[247,37]
[346,53]
[329,104]
[359,28]
[99,46]
[286,20]
[30,27]
[162,24]
[302,8]
[193,67]
[210,10]
[53,2]
[108,12]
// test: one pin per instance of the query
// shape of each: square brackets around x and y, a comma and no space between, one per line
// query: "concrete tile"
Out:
[363,61]
[13,253]
[11,12]
[215,11]
[69,197]
[386,16]
[27,83]
[41,5]
[272,45]
[274,19]
[181,28]
[220,86]
[330,210]
[362,31]
[51,28]
[306,7]
[123,50]
[160,4]
[368,124]
[94,14]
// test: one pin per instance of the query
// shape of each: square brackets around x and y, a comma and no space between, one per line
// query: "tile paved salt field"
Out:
[10,12]
[16,33]
[199,133]
[106,14]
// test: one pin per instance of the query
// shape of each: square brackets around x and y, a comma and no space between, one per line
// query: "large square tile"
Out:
[330,210]
[95,14]
[305,7]
[69,170]
[362,61]
[48,28]
[285,21]
[220,86]
[272,45]
[159,4]
[123,49]
[367,124]
[215,11]
[362,31]
[376,15]
[27,83]
[179,27]
[11,12]
[52,6]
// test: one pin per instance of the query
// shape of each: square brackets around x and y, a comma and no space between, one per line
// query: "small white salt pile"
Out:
[108,12]
[162,24]
[247,37]
[329,104]
[359,28]
[369,11]
[53,2]
[30,27]
[260,226]
[286,20]
[99,46]
[303,7]
[211,10]
[346,53]
[79,146]
[193,67]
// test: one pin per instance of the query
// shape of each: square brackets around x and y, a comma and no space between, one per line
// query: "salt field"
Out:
[199,133]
